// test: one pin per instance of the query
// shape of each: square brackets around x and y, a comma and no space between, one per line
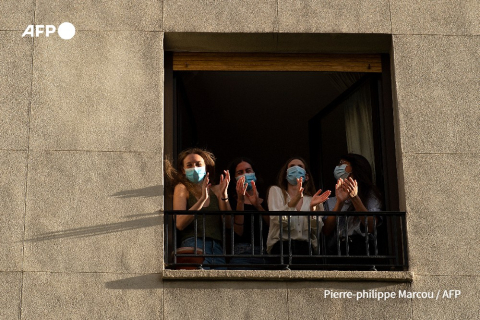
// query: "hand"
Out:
[351,187]
[299,190]
[320,197]
[340,193]
[224,181]
[241,189]
[205,188]
[254,197]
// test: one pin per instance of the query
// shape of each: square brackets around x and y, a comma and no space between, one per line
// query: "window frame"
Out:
[221,61]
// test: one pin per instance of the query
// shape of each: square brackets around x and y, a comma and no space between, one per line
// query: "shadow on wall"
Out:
[149,281]
[148,192]
[140,221]
[135,221]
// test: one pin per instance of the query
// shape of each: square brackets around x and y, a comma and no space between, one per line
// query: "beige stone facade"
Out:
[81,121]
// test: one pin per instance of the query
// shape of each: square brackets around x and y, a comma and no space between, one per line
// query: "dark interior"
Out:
[260,115]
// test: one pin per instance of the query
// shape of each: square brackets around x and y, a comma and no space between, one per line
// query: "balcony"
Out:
[385,247]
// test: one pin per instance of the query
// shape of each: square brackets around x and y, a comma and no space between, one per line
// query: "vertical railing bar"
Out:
[395,235]
[232,234]
[165,231]
[174,239]
[375,242]
[204,236]
[337,219]
[280,217]
[366,236]
[289,240]
[224,234]
[260,217]
[347,247]
[309,236]
[404,239]
[195,217]
[252,231]
[318,236]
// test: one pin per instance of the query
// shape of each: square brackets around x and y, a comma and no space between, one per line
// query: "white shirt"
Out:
[298,224]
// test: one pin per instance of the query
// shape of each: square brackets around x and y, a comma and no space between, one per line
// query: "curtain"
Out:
[358,117]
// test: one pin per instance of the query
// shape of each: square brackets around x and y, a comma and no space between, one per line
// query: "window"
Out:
[243,104]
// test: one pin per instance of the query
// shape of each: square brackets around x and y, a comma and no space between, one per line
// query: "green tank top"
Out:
[213,224]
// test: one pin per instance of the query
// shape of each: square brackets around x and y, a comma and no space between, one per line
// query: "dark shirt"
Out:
[213,224]
[251,212]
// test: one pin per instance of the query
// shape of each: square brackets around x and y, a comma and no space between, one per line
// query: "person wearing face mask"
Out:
[295,191]
[245,197]
[354,191]
[193,191]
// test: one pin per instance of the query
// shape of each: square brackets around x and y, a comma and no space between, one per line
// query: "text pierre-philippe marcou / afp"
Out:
[386,295]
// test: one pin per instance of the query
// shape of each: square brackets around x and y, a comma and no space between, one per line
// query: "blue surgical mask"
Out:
[340,172]
[249,177]
[195,175]
[294,173]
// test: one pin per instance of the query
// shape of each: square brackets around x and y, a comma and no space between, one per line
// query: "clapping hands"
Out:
[320,197]
[345,189]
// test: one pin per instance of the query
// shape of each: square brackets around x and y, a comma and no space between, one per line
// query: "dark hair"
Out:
[177,175]
[362,172]
[309,186]
[232,167]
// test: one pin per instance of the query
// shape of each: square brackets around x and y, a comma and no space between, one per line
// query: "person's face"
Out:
[192,161]
[242,168]
[348,168]
[298,162]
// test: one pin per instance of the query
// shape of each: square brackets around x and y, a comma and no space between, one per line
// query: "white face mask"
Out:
[340,172]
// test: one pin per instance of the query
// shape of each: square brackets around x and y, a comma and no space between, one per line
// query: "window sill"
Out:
[286,275]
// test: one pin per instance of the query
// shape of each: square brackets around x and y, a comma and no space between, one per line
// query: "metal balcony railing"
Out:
[385,246]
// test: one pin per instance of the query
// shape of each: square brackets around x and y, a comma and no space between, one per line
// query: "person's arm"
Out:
[254,200]
[351,186]
[221,192]
[276,202]
[298,194]
[180,197]
[341,196]
[241,188]
[317,200]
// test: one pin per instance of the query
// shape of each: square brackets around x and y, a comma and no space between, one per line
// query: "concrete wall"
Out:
[81,158]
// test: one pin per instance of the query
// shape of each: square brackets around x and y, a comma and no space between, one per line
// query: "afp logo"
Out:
[65,31]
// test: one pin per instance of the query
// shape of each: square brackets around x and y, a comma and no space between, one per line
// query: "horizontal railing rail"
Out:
[385,246]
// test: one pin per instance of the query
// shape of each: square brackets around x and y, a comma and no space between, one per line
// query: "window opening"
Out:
[249,113]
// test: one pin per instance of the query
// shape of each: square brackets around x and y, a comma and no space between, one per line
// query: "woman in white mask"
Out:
[295,191]
[354,191]
[193,191]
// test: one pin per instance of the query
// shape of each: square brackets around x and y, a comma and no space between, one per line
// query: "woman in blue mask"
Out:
[354,191]
[295,191]
[245,197]
[193,191]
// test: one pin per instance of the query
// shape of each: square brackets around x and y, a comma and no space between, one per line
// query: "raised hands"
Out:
[299,189]
[205,187]
[340,193]
[351,187]
[253,198]
[241,188]
[224,181]
[298,194]
[319,197]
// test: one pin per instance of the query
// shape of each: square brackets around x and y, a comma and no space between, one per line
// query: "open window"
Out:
[250,104]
